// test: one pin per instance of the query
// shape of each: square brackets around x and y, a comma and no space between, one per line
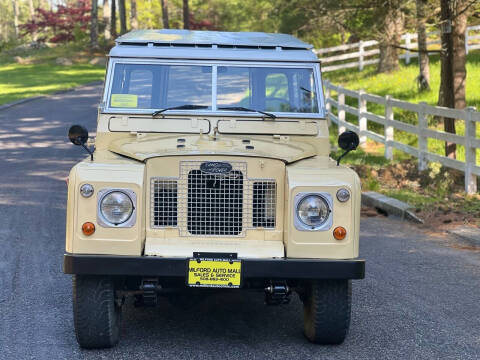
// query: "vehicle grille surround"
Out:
[213,205]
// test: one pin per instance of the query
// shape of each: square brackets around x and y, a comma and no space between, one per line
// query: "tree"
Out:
[424,76]
[186,15]
[453,58]
[123,16]
[94,25]
[106,19]
[166,24]
[113,20]
[390,36]
[133,14]
[15,16]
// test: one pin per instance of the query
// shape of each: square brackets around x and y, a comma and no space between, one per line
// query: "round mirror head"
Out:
[348,140]
[78,134]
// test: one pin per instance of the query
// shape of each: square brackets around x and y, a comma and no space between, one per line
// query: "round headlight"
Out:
[116,207]
[86,190]
[313,210]
[343,195]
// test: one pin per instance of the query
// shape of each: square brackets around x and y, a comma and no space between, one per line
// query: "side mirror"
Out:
[78,135]
[347,141]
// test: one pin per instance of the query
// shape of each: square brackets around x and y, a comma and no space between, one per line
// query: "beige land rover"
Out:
[211,169]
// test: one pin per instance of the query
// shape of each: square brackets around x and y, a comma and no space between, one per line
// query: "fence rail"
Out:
[469,115]
[363,52]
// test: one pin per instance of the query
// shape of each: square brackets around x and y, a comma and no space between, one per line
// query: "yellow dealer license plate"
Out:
[214,273]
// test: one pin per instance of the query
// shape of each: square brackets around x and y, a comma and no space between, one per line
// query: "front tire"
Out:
[96,314]
[327,309]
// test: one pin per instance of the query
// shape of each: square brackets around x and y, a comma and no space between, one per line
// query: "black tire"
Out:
[326,309]
[96,314]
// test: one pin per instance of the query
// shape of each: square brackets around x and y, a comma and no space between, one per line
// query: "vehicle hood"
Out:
[146,146]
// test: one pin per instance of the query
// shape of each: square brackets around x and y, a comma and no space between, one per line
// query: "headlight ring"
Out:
[313,211]
[116,208]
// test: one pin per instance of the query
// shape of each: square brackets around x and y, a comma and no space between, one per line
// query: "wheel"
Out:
[326,309]
[96,314]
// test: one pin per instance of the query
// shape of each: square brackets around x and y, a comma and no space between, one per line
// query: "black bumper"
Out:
[177,267]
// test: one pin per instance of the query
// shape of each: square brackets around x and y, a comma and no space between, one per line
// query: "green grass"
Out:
[402,85]
[42,75]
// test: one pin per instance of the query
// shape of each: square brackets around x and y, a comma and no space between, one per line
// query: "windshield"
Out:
[271,89]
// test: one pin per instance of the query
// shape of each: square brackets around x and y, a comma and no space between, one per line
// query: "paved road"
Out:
[420,298]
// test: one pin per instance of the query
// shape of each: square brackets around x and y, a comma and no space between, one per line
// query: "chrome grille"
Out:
[164,202]
[204,204]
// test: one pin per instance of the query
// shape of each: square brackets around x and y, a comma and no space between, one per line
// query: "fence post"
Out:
[388,128]
[470,152]
[407,45]
[328,106]
[422,139]
[466,40]
[362,120]
[341,112]
[360,55]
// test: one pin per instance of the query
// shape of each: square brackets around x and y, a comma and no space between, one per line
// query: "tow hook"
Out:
[149,288]
[277,293]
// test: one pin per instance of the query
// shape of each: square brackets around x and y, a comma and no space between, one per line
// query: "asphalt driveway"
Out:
[420,299]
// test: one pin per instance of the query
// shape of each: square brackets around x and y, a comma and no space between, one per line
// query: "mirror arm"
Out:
[89,151]
[345,153]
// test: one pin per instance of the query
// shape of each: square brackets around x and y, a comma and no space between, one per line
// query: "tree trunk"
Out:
[460,58]
[390,38]
[424,76]
[123,16]
[32,17]
[166,24]
[133,14]
[186,15]
[106,19]
[113,20]
[94,25]
[446,93]
[15,17]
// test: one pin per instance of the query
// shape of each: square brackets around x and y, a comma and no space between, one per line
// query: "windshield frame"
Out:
[105,107]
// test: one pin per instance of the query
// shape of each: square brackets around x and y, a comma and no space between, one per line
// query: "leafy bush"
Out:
[60,25]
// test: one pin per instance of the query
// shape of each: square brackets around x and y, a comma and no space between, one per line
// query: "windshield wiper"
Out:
[241,108]
[181,107]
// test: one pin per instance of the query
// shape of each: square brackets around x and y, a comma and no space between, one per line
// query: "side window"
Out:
[276,92]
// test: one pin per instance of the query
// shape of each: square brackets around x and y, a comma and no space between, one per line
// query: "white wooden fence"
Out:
[469,115]
[364,53]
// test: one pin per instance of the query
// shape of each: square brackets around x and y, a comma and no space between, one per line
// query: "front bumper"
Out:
[281,269]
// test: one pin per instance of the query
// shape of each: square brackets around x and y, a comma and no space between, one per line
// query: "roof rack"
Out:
[212,39]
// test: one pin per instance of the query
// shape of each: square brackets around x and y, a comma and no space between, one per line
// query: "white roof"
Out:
[212,45]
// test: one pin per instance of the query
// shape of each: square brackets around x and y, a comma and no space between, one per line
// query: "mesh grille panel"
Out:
[264,204]
[215,203]
[164,201]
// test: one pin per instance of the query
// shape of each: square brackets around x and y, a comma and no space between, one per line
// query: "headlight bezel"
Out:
[130,222]
[300,225]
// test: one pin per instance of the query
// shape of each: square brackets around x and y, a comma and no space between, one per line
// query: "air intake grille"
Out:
[215,203]
[199,203]
[164,202]
[264,204]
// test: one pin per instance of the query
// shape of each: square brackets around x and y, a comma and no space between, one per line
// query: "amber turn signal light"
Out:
[339,233]
[88,228]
